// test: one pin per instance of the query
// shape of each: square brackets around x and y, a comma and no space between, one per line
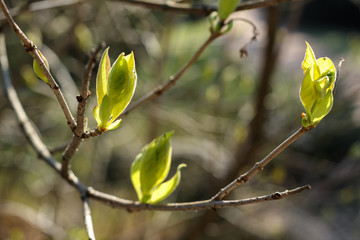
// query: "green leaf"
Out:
[155,164]
[135,175]
[113,125]
[307,90]
[37,69]
[102,76]
[166,188]
[322,107]
[105,112]
[226,7]
[96,114]
[122,83]
[310,61]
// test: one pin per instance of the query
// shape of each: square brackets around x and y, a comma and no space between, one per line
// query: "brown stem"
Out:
[159,90]
[34,52]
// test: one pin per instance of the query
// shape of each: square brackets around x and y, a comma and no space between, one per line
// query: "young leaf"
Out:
[122,83]
[166,188]
[226,7]
[102,77]
[316,92]
[155,163]
[135,175]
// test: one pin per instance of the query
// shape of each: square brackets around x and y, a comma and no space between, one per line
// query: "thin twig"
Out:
[259,166]
[87,219]
[159,90]
[79,130]
[201,10]
[84,93]
[190,206]
[41,6]
[34,52]
[243,50]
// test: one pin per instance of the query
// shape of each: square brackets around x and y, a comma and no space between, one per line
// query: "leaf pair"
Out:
[115,86]
[151,167]
[316,92]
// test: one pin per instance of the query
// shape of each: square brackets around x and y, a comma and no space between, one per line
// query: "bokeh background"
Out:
[227,112]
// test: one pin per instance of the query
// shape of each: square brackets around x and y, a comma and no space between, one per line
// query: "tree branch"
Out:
[201,10]
[79,130]
[259,166]
[42,5]
[190,206]
[87,219]
[159,90]
[34,52]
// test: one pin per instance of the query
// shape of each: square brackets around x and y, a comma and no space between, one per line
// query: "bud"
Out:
[38,70]
[316,92]
[226,7]
[115,87]
[151,167]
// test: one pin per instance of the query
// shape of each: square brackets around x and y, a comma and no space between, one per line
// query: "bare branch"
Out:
[159,90]
[79,130]
[259,166]
[190,206]
[42,5]
[84,94]
[201,10]
[87,219]
[34,52]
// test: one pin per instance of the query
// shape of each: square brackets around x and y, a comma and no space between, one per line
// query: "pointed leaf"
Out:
[115,124]
[322,107]
[307,91]
[122,83]
[226,7]
[105,111]
[96,114]
[102,76]
[135,175]
[166,188]
[156,163]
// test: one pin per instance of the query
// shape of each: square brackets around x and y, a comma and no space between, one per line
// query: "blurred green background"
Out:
[227,112]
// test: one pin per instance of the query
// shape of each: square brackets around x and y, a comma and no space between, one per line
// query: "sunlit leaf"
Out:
[156,163]
[226,7]
[135,175]
[166,188]
[102,76]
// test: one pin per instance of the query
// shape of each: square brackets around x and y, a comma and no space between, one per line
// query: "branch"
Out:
[41,5]
[259,166]
[190,206]
[79,130]
[87,219]
[201,10]
[34,52]
[159,90]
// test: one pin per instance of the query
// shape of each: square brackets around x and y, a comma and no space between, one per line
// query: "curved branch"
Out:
[259,166]
[190,206]
[34,52]
[159,90]
[79,130]
[200,10]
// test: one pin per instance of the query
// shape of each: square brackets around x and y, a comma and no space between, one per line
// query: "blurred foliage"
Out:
[209,109]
